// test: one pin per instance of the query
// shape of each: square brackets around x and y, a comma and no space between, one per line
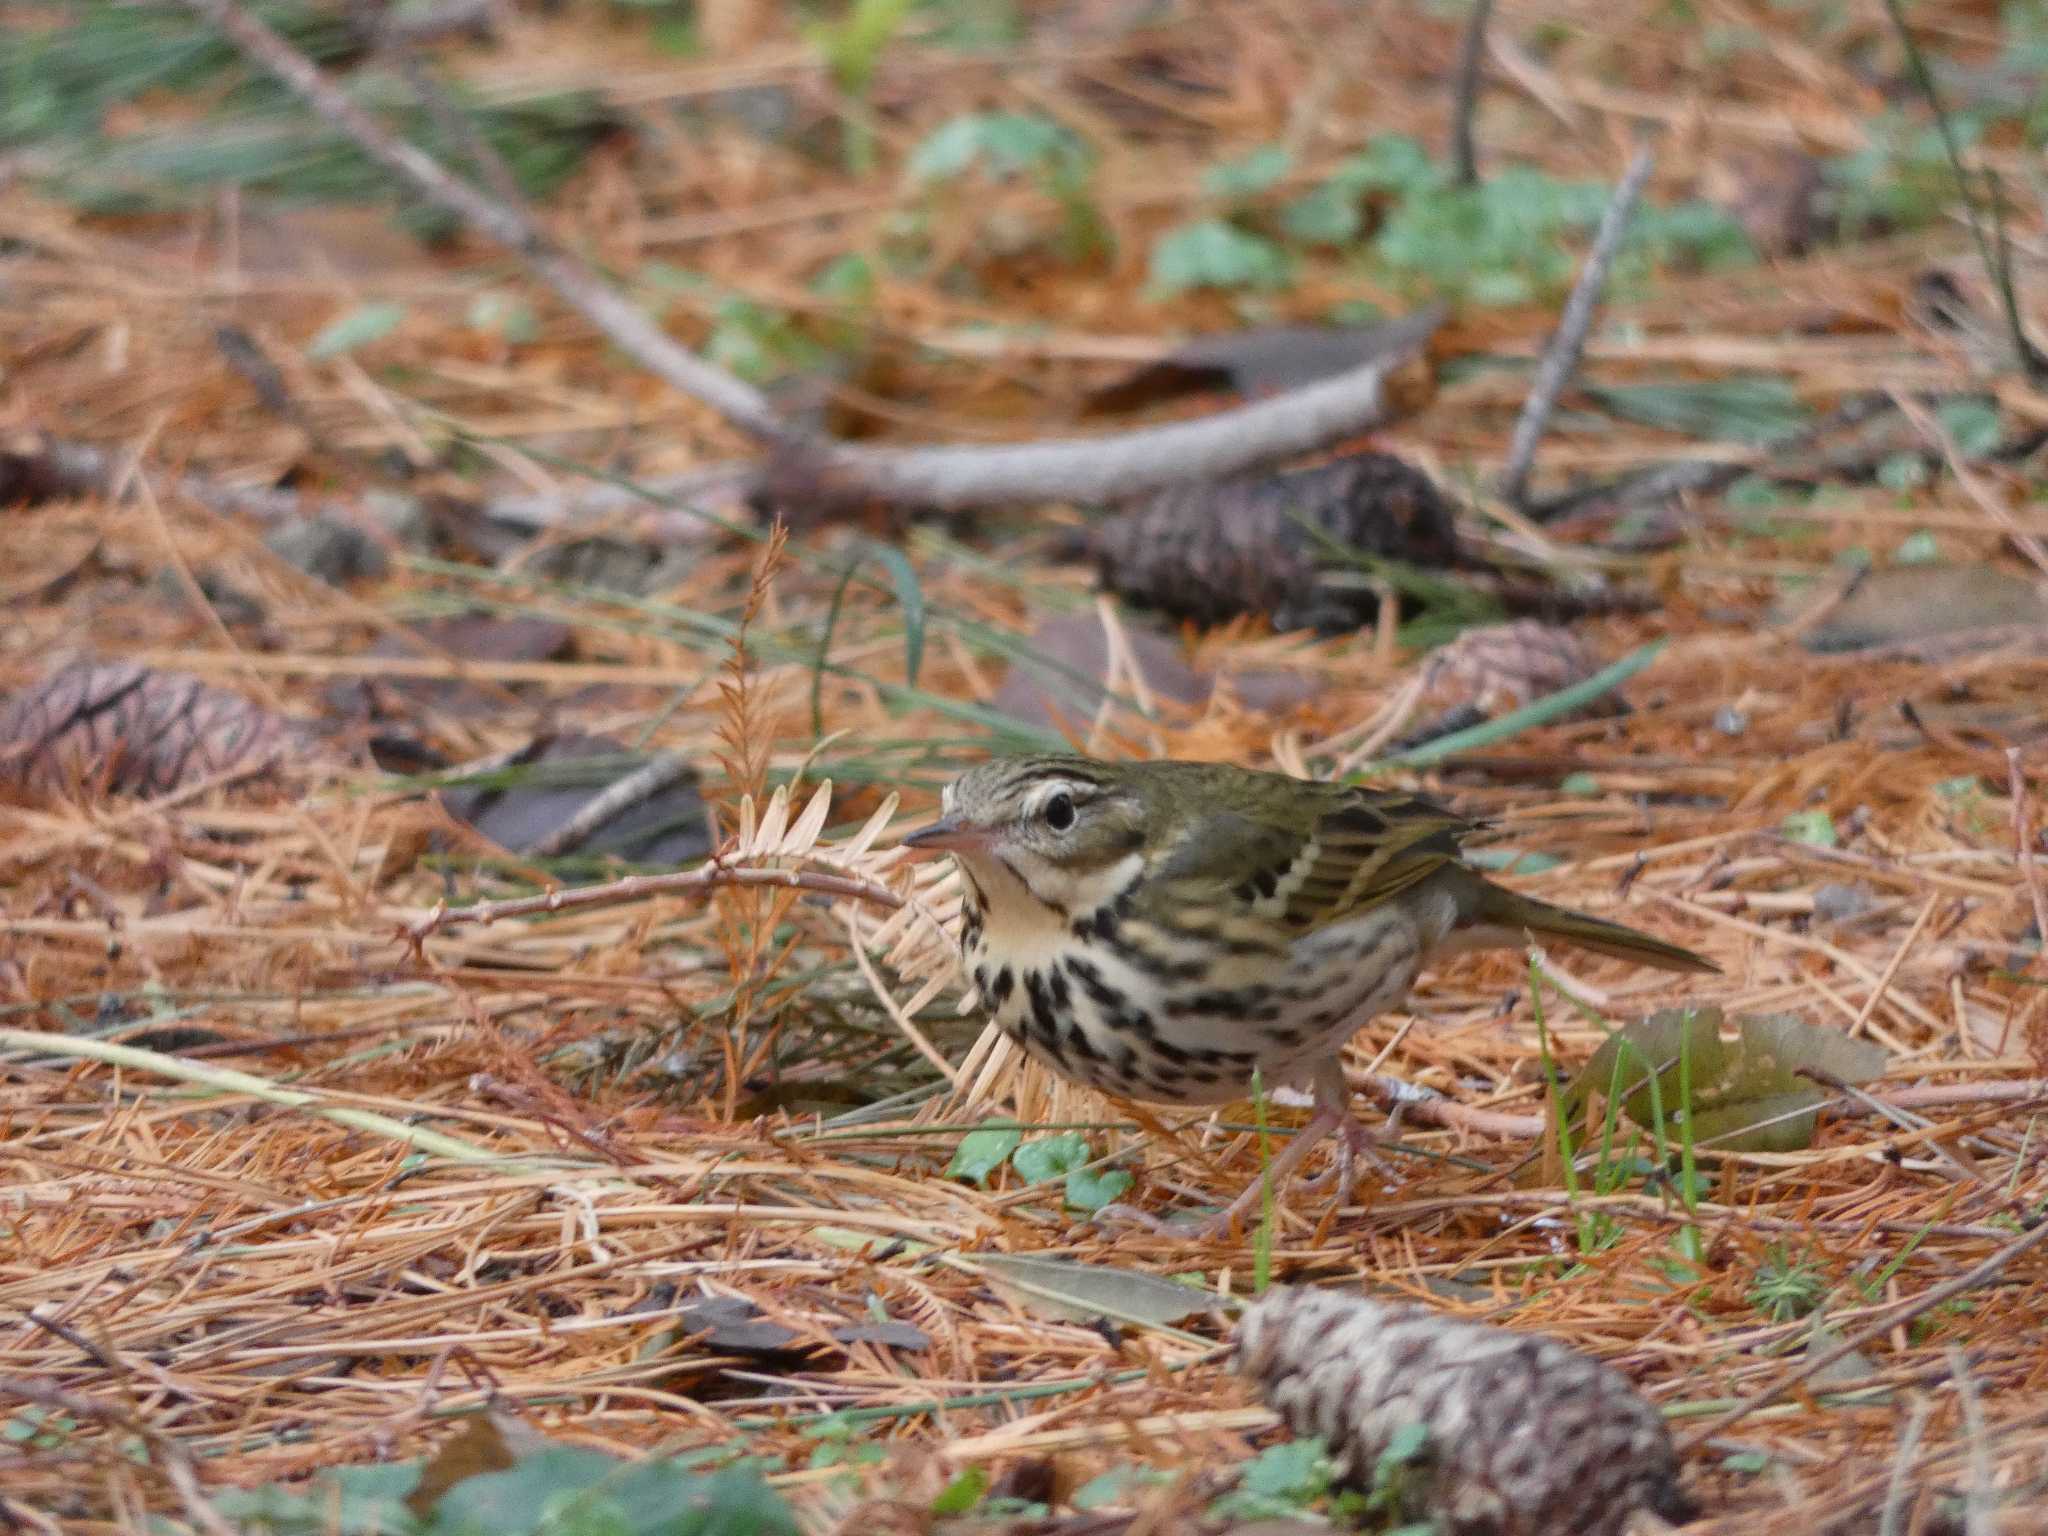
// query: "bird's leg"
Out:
[1357,1149]
[1245,1208]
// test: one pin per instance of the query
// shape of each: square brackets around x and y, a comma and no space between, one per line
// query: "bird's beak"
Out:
[948,833]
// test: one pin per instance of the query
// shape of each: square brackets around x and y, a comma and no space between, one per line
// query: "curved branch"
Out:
[803,468]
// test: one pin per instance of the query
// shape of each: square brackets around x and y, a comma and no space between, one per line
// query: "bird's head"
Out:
[1068,832]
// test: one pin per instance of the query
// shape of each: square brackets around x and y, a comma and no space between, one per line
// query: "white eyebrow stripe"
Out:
[1042,794]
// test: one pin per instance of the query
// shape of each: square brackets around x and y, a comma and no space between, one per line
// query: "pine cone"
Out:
[124,729]
[1525,1436]
[1500,667]
[1210,550]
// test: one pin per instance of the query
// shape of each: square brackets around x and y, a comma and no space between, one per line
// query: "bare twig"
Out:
[1890,1318]
[1471,69]
[706,877]
[1561,357]
[388,37]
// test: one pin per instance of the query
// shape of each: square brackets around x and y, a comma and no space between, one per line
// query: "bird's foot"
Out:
[1245,1211]
[1358,1149]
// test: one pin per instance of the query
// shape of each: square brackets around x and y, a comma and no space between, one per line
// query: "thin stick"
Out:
[687,882]
[1471,67]
[1892,1317]
[614,800]
[457,125]
[1561,357]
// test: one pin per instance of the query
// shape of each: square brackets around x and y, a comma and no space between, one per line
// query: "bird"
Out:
[1177,932]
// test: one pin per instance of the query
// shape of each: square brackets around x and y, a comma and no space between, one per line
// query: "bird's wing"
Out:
[1354,849]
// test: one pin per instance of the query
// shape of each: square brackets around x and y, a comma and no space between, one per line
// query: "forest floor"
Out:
[295,1178]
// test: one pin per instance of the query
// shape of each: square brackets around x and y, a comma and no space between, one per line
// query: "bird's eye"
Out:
[1059,811]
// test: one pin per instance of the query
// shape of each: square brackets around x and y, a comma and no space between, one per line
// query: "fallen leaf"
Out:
[554,777]
[1903,603]
[1075,1292]
[489,1442]
[1747,1095]
[1260,360]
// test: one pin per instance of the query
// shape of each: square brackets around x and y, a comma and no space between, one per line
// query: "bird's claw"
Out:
[1357,1150]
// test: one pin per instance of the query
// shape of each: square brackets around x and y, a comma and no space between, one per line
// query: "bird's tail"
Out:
[1496,915]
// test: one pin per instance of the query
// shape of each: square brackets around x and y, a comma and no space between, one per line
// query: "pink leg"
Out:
[1333,1116]
[1358,1149]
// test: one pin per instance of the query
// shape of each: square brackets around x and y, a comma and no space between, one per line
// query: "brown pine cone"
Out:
[1498,667]
[1525,1437]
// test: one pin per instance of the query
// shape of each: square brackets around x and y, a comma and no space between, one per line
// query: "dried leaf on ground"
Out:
[1746,1095]
[1255,361]
[1905,603]
[1065,678]
[527,799]
[1077,1292]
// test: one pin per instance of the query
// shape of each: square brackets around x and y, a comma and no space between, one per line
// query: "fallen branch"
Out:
[812,468]
[1561,357]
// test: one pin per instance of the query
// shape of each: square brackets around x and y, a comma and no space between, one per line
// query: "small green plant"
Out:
[852,49]
[1067,1156]
[1217,253]
[1280,1481]
[1785,1288]
[1509,240]
[38,1428]
[482,1480]
[1003,146]
[839,1444]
